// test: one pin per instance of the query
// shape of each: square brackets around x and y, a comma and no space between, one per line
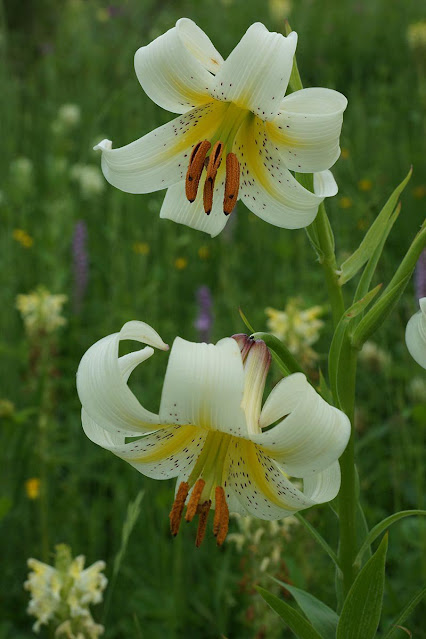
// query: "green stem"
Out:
[347,496]
[328,263]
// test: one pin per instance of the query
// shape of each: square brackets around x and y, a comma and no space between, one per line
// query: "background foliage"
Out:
[141,267]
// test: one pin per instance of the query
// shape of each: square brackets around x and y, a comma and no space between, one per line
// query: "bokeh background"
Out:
[67,81]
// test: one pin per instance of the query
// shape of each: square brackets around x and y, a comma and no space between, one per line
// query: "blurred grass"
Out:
[82,52]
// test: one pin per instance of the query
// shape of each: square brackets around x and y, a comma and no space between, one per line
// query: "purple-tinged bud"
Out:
[204,320]
[420,276]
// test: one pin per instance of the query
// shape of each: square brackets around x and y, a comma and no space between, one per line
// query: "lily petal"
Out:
[177,208]
[169,452]
[323,486]
[307,129]
[263,489]
[204,386]
[415,334]
[102,382]
[312,435]
[160,158]
[267,187]
[256,73]
[175,70]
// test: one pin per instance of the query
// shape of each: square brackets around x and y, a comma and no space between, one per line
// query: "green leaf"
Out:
[335,360]
[322,618]
[245,320]
[377,315]
[283,357]
[405,612]
[300,626]
[295,82]
[389,298]
[368,272]
[319,538]
[363,605]
[5,506]
[381,527]
[373,237]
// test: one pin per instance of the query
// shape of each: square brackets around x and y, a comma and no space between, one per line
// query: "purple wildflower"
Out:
[80,264]
[420,276]
[204,320]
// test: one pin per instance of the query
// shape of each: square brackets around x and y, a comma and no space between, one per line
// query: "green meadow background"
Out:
[140,267]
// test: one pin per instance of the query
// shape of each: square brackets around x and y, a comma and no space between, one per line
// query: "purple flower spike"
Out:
[80,264]
[204,320]
[420,276]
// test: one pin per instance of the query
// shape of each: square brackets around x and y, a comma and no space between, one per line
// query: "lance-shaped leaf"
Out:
[405,612]
[373,237]
[335,362]
[390,296]
[285,360]
[363,606]
[323,618]
[300,626]
[381,527]
[368,272]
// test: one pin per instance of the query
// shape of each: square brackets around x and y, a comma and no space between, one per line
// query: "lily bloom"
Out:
[211,432]
[239,135]
[415,334]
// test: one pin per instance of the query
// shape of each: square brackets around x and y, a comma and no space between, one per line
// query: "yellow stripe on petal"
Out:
[162,444]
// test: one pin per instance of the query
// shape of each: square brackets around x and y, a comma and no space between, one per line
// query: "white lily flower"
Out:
[211,431]
[415,334]
[237,110]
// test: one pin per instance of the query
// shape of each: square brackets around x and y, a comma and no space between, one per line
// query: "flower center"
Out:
[200,160]
[206,480]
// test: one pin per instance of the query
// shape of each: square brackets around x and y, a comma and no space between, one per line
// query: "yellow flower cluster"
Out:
[262,537]
[23,238]
[299,328]
[61,594]
[416,35]
[141,248]
[41,311]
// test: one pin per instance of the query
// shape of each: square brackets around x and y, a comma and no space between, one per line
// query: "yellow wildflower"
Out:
[365,185]
[32,487]
[203,253]
[419,191]
[344,153]
[345,202]
[23,238]
[362,224]
[181,263]
[141,248]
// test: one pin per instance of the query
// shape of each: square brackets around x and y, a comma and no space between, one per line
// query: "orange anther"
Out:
[177,508]
[212,168]
[195,169]
[202,522]
[194,499]
[232,183]
[221,516]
